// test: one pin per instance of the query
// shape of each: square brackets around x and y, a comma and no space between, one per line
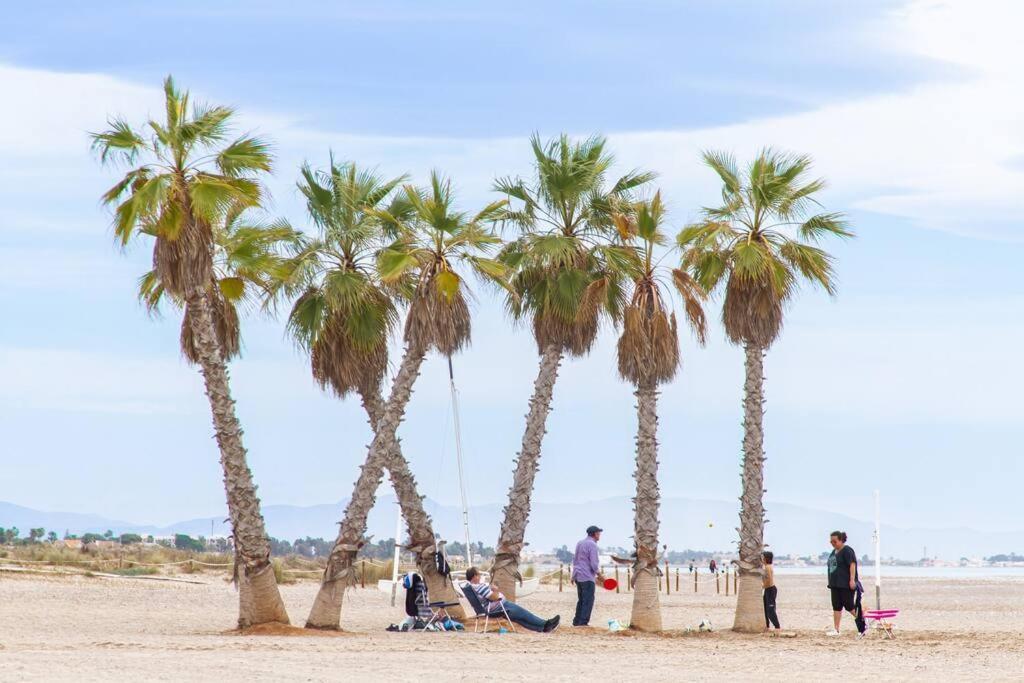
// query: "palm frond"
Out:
[207,125]
[212,195]
[119,142]
[813,263]
[151,292]
[632,181]
[491,213]
[244,156]
[395,262]
[724,165]
[705,235]
[825,225]
[515,188]
[693,296]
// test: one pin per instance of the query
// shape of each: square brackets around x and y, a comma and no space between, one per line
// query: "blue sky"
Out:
[907,381]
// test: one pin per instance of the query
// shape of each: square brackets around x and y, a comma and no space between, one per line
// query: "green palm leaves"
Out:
[648,349]
[189,179]
[382,245]
[247,262]
[568,268]
[435,248]
[345,311]
[760,239]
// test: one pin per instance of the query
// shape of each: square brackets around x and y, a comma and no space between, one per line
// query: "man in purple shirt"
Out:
[586,569]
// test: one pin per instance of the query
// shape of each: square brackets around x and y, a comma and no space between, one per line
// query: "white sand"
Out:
[84,629]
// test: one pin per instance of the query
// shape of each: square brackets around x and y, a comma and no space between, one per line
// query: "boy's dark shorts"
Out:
[843,599]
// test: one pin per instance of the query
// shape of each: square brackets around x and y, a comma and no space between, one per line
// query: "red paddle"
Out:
[610,584]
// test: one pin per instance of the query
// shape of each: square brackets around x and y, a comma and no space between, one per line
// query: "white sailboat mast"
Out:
[398,550]
[458,458]
[878,552]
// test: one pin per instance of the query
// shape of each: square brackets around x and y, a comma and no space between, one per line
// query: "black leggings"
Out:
[771,618]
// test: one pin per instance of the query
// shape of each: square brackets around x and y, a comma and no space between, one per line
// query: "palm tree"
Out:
[568,274]
[190,175]
[759,242]
[648,353]
[345,312]
[433,241]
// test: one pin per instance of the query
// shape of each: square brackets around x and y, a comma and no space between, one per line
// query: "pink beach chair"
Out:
[882,619]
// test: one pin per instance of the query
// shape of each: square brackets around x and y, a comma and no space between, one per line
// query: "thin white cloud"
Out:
[944,155]
[55,110]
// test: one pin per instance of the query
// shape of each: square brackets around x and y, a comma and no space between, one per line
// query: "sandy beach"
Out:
[85,629]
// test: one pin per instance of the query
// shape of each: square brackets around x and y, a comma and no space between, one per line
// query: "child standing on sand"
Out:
[771,618]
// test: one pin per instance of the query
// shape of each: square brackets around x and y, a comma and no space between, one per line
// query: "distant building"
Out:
[102,545]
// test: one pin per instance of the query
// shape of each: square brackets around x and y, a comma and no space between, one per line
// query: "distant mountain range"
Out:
[685,523]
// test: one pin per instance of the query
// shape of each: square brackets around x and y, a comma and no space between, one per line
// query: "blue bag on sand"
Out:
[452,625]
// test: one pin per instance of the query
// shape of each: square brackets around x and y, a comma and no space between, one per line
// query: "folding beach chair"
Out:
[482,611]
[882,620]
[419,605]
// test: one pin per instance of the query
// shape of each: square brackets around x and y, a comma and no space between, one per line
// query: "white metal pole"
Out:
[458,458]
[394,566]
[878,552]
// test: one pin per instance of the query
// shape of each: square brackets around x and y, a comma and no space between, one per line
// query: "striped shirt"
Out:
[485,592]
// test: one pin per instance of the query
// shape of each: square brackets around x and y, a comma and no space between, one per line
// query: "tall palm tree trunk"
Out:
[259,598]
[749,607]
[646,615]
[505,571]
[420,527]
[340,571]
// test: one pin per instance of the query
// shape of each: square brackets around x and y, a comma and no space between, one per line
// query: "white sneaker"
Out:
[832,633]
[861,636]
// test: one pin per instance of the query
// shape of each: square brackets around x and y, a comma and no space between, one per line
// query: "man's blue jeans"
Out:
[584,602]
[521,616]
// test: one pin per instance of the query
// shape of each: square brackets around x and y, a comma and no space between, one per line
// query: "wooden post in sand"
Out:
[727,581]
[362,575]
[677,579]
[668,578]
[695,570]
[560,577]
[718,588]
[629,580]
[616,578]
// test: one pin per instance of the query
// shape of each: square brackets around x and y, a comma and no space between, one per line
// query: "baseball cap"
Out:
[593,529]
